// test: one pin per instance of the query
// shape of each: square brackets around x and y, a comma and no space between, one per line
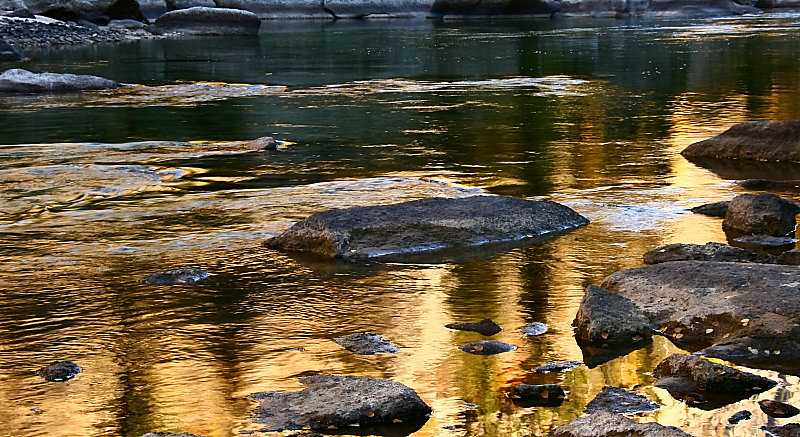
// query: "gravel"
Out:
[25,33]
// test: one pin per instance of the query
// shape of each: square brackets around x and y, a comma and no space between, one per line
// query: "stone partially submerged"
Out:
[207,21]
[544,395]
[21,81]
[607,424]
[59,371]
[334,402]
[745,313]
[365,343]
[620,401]
[760,214]
[485,327]
[424,225]
[705,252]
[751,140]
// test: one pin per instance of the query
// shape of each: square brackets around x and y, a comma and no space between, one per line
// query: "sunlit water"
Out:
[100,189]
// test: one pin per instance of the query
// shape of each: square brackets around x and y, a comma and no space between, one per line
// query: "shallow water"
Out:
[100,189]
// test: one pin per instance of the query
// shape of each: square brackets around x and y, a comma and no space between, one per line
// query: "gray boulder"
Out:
[262,143]
[620,401]
[12,5]
[608,424]
[655,8]
[339,402]
[173,5]
[716,209]
[745,313]
[9,54]
[169,434]
[207,21]
[22,81]
[764,242]
[424,225]
[557,366]
[751,140]
[365,343]
[706,252]
[72,10]
[544,395]
[59,371]
[760,214]
[780,410]
[485,327]
[487,347]
[273,9]
[790,258]
[605,318]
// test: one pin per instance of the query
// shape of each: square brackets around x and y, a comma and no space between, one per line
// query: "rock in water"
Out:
[169,434]
[740,416]
[262,143]
[777,409]
[716,209]
[485,327]
[18,80]
[607,424]
[330,402]
[176,277]
[760,214]
[555,366]
[788,430]
[752,140]
[423,225]
[535,328]
[545,395]
[608,319]
[487,347]
[790,258]
[8,53]
[59,371]
[366,343]
[706,252]
[207,21]
[617,400]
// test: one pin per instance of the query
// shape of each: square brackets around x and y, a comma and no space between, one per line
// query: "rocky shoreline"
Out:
[27,33]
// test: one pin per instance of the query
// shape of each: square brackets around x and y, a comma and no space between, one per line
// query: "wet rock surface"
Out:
[544,395]
[557,366]
[740,416]
[366,343]
[424,225]
[620,401]
[744,313]
[607,424]
[339,402]
[207,21]
[26,33]
[777,409]
[752,140]
[769,184]
[606,319]
[716,209]
[706,252]
[763,241]
[485,327]
[788,430]
[760,214]
[22,81]
[59,371]
[8,53]
[262,143]
[176,277]
[789,258]
[167,434]
[535,328]
[487,347]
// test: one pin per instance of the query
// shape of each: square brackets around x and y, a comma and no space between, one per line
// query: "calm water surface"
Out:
[99,189]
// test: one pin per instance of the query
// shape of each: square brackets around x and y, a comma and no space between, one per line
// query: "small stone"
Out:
[366,343]
[545,395]
[176,277]
[535,328]
[59,371]
[740,416]
[555,366]
[716,209]
[620,401]
[263,143]
[487,347]
[485,327]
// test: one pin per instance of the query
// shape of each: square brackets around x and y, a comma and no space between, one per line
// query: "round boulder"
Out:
[22,81]
[207,21]
[760,214]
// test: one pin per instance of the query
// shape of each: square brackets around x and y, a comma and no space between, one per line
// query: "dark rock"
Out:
[608,319]
[126,24]
[169,434]
[72,10]
[745,313]
[716,209]
[617,400]
[788,430]
[485,327]
[262,143]
[790,258]
[21,13]
[450,8]
[28,34]
[23,81]
[366,343]
[607,424]
[176,277]
[125,10]
[207,21]
[339,402]
[546,395]
[777,409]
[173,5]
[707,252]
[752,140]
[556,366]
[740,416]
[487,347]
[59,371]
[424,225]
[760,241]
[769,184]
[535,328]
[760,214]
[9,54]
[718,384]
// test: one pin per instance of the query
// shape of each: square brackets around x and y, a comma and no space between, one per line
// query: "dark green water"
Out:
[99,189]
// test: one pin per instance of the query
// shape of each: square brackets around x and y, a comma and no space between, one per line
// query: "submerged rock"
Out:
[760,214]
[485,327]
[169,434]
[764,241]
[535,328]
[752,140]
[740,416]
[331,402]
[262,143]
[607,424]
[745,313]
[617,400]
[706,252]
[777,409]
[545,395]
[176,277]
[59,371]
[769,184]
[22,81]
[207,21]
[423,225]
[608,320]
[556,366]
[366,343]
[788,430]
[487,347]
[716,209]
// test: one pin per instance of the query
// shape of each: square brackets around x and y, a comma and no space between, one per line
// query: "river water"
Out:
[100,189]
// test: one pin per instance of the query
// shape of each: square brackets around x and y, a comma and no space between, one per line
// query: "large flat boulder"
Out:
[18,80]
[744,313]
[333,402]
[276,9]
[201,20]
[608,424]
[751,140]
[706,252]
[424,225]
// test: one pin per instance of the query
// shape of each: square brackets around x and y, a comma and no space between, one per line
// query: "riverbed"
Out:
[100,189]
